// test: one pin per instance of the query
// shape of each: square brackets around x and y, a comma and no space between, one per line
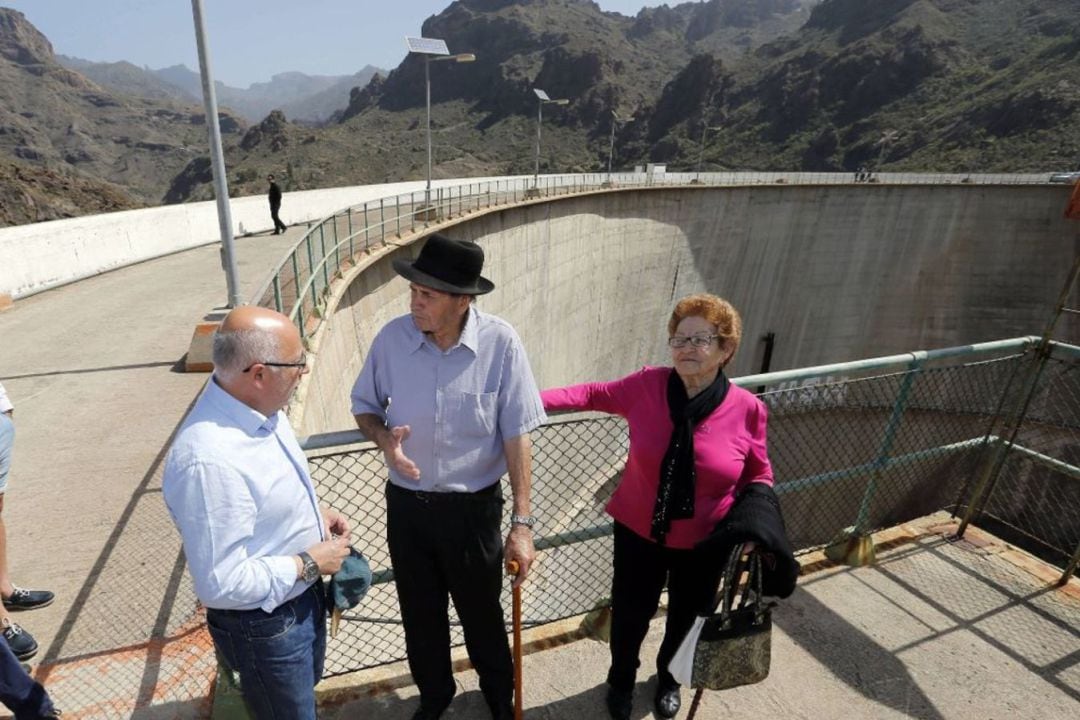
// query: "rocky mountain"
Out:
[57,121]
[927,85]
[30,193]
[484,111]
[948,85]
[312,99]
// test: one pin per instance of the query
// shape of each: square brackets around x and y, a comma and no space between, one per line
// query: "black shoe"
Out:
[431,711]
[22,643]
[23,599]
[619,703]
[667,701]
[425,713]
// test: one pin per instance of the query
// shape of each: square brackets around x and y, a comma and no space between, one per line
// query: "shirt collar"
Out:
[244,416]
[470,334]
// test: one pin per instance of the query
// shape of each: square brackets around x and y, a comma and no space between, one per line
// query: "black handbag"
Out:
[735,645]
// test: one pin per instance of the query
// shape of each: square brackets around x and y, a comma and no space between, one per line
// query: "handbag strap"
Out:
[732,572]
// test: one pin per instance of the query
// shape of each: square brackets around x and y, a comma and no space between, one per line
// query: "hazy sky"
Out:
[249,40]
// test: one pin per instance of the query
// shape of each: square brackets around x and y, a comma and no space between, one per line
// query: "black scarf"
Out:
[675,494]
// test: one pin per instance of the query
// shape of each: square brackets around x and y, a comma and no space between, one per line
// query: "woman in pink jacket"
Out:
[695,441]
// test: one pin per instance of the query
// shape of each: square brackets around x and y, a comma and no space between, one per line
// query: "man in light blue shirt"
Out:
[447,394]
[256,540]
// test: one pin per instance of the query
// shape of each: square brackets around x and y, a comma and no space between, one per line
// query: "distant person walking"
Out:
[275,205]
[22,644]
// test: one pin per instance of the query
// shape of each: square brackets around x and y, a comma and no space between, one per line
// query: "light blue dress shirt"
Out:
[460,404]
[237,486]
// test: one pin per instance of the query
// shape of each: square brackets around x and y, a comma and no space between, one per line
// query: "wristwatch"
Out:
[310,573]
[526,520]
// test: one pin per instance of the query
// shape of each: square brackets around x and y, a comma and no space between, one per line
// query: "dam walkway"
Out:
[937,628]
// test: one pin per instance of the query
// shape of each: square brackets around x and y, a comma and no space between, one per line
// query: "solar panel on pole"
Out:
[427,46]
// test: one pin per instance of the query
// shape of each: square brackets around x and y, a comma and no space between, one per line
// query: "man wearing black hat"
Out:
[447,393]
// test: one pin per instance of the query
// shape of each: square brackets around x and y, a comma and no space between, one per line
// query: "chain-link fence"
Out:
[854,448]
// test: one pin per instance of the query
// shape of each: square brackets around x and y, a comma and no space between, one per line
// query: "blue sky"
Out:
[250,40]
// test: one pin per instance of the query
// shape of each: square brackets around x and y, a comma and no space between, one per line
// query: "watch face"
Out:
[311,571]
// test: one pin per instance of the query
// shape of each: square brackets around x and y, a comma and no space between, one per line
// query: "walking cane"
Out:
[512,568]
[694,705]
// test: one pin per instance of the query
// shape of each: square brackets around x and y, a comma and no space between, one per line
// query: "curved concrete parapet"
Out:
[836,272]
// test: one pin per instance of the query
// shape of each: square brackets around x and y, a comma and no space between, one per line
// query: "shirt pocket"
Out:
[473,414]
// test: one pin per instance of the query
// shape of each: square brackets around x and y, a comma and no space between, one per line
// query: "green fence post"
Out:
[992,467]
[296,279]
[277,293]
[228,700]
[854,545]
[1071,567]
[325,264]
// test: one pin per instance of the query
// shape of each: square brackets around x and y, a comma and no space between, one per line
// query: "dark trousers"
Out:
[641,569]
[279,227]
[449,545]
[18,691]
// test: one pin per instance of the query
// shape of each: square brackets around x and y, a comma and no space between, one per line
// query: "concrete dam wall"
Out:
[836,272]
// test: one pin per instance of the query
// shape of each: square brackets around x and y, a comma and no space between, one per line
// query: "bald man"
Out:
[256,539]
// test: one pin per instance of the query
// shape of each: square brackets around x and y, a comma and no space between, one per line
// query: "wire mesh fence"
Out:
[1034,500]
[850,454]
[856,448]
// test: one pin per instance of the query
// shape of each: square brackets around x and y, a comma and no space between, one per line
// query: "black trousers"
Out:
[642,568]
[278,225]
[449,545]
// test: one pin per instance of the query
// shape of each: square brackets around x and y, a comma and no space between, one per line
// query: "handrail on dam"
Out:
[855,447]
[301,282]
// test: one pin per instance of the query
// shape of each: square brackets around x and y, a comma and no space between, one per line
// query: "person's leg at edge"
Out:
[637,581]
[422,596]
[273,654]
[474,568]
[25,697]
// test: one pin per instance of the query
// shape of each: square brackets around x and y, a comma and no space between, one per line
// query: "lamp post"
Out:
[615,120]
[433,50]
[887,136]
[543,99]
[217,164]
[701,153]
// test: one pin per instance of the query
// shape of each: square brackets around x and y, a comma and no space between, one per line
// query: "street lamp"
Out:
[543,99]
[217,161]
[433,50]
[615,120]
[887,136]
[701,153]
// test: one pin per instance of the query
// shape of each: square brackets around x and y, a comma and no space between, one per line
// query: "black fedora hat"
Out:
[449,265]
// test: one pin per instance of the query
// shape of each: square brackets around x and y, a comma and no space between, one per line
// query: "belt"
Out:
[424,496]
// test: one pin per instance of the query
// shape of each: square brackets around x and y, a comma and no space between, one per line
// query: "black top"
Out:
[275,193]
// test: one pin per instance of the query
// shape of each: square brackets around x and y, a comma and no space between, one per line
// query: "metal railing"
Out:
[300,284]
[855,447]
